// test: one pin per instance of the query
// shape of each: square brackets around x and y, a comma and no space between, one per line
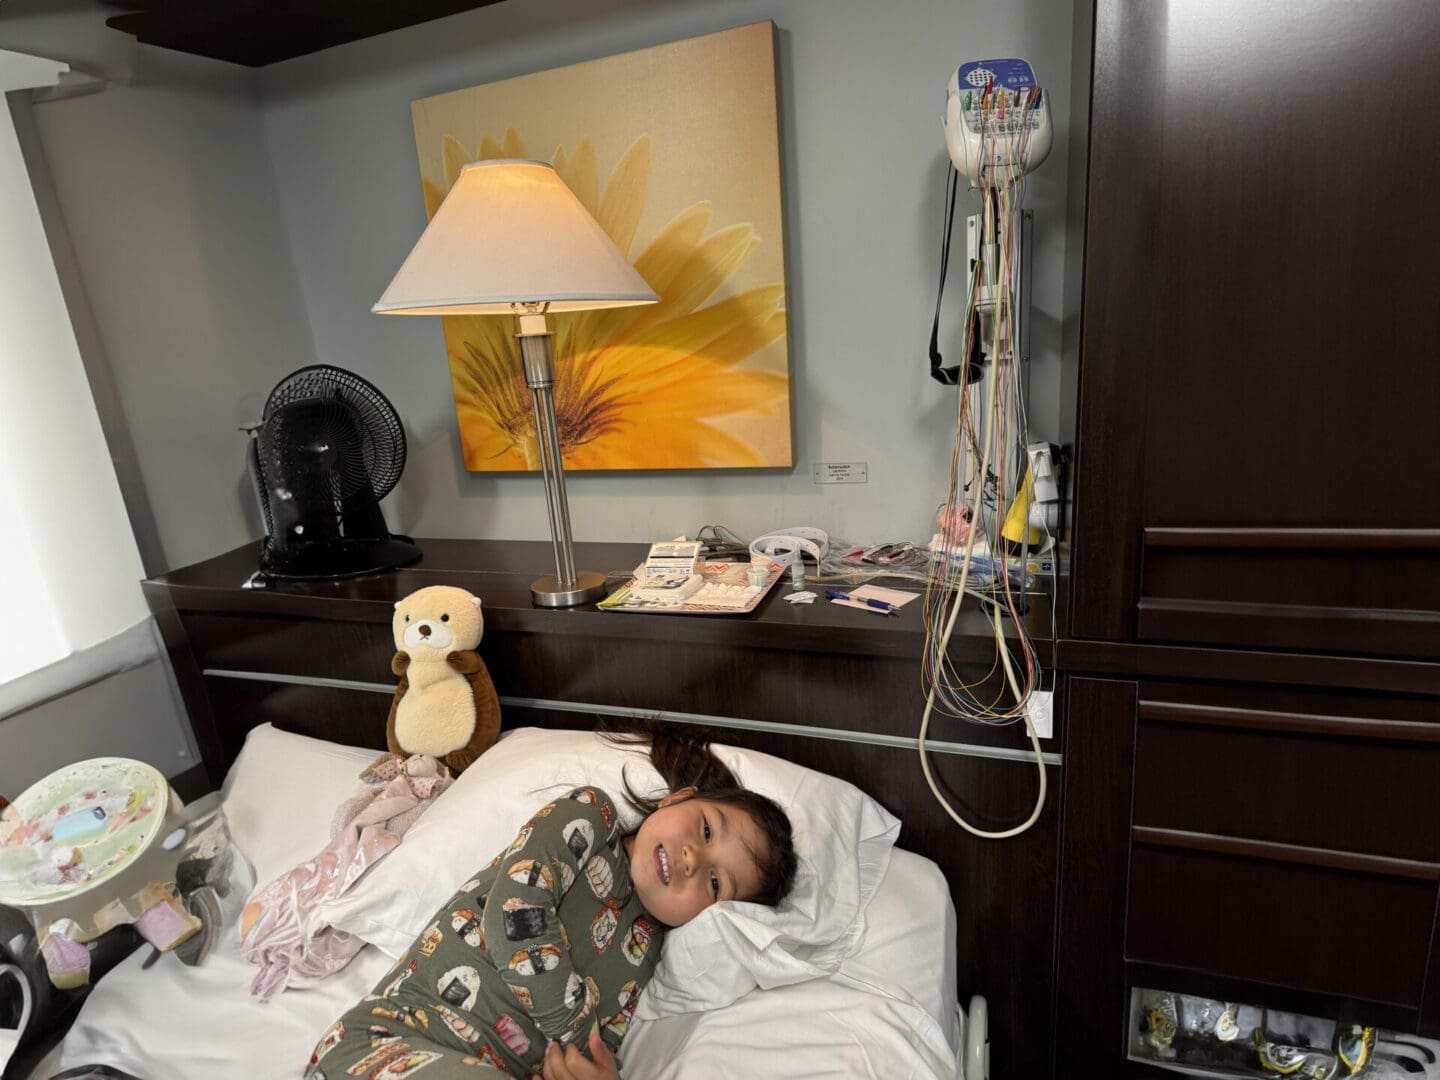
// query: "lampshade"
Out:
[511,232]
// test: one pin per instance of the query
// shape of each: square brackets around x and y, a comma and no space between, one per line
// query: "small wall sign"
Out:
[840,472]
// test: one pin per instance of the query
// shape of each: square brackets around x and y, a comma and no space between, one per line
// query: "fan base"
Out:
[336,558]
[586,589]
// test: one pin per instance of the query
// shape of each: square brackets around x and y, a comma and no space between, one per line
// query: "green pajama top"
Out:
[545,943]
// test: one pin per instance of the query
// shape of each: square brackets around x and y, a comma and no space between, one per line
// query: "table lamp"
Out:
[512,239]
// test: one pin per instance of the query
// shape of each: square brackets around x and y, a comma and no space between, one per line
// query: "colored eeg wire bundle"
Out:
[1005,402]
[1002,427]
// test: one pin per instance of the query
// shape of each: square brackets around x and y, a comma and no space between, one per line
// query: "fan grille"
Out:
[334,416]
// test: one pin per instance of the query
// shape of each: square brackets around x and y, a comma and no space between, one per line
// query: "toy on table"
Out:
[102,844]
[445,705]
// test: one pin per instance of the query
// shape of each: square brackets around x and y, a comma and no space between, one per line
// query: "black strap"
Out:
[950,376]
[947,375]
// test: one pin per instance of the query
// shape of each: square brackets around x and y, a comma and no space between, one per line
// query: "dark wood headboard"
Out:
[828,687]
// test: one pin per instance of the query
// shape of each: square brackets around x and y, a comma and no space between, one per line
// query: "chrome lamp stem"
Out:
[567,587]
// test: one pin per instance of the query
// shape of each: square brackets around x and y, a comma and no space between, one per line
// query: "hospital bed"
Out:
[888,1009]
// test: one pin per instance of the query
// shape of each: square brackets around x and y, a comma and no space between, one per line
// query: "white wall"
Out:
[233,225]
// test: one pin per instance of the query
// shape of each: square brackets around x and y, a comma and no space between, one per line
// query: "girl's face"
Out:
[692,852]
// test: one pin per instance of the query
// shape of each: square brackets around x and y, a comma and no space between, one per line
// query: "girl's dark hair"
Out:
[682,756]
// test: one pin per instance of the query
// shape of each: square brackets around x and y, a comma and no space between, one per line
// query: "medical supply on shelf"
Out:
[723,588]
[785,546]
[670,574]
[985,572]
[716,594]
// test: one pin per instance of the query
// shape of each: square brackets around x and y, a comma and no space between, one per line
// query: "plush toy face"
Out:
[441,617]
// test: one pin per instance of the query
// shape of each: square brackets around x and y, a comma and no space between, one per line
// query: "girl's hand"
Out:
[570,1064]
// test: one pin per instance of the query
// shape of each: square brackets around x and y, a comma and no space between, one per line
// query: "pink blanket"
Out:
[277,929]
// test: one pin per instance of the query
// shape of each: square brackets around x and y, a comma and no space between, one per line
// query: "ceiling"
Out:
[260,32]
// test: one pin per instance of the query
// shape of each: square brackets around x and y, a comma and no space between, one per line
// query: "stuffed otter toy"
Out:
[445,705]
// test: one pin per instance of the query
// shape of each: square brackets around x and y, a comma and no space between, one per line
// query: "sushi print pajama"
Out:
[546,943]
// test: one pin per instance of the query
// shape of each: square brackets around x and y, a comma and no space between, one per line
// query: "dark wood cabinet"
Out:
[1252,781]
[1261,320]
[1273,844]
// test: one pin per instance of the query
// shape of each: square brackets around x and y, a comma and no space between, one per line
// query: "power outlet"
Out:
[1041,710]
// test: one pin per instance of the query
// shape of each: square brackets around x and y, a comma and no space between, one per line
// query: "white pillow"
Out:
[281,795]
[842,836]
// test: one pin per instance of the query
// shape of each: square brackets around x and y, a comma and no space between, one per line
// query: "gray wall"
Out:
[116,699]
[232,225]
[166,191]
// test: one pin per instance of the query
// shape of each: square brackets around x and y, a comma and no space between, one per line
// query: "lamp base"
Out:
[586,589]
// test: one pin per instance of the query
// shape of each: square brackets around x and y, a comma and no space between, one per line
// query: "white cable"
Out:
[1003,834]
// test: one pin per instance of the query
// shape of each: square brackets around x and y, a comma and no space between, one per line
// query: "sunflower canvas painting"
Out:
[675,150]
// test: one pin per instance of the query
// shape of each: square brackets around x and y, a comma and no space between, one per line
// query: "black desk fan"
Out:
[329,448]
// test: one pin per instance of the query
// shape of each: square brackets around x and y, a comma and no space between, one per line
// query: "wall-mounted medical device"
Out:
[997,120]
[997,129]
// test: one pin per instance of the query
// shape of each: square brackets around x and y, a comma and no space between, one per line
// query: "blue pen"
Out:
[878,605]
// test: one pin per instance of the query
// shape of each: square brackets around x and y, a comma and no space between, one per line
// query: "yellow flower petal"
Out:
[692,333]
[455,157]
[487,448]
[582,176]
[687,445]
[515,145]
[634,387]
[658,264]
[667,254]
[708,267]
[718,392]
[434,196]
[625,192]
[747,338]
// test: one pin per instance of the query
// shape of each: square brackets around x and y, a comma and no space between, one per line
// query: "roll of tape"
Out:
[784,546]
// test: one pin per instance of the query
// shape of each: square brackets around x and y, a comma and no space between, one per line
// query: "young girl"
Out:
[536,965]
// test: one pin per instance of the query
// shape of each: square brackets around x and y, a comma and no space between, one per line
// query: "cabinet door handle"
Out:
[1296,854]
[1349,727]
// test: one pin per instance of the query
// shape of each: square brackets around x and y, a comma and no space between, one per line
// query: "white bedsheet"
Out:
[889,1012]
[174,1022]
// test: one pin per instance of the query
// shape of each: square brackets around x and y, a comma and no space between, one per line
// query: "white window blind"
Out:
[68,560]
